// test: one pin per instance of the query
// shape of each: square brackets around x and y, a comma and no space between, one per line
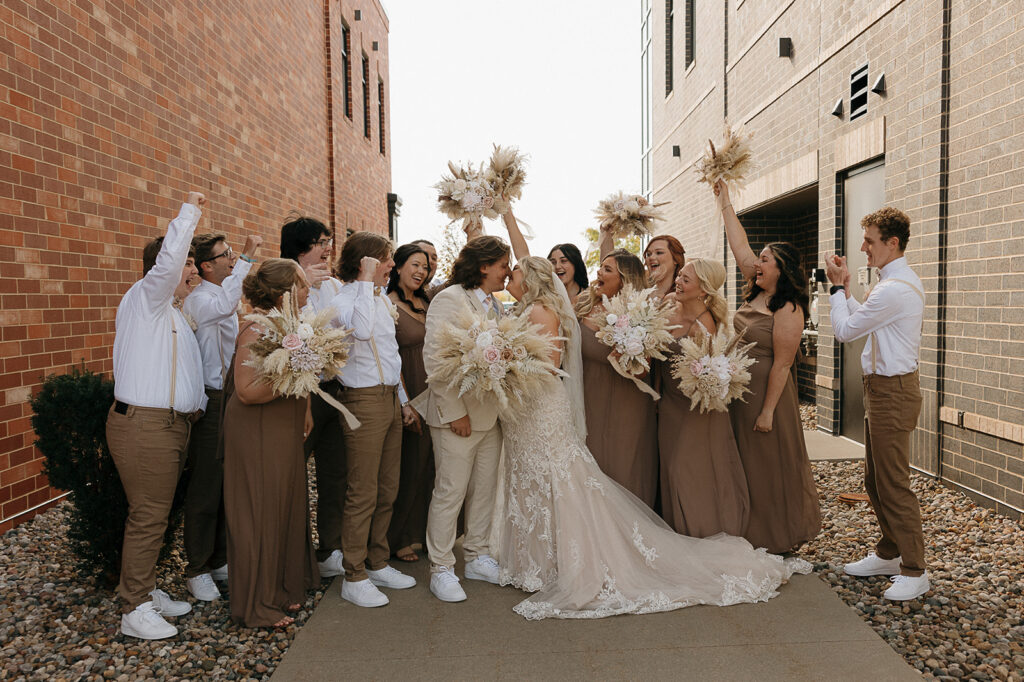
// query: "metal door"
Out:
[863,192]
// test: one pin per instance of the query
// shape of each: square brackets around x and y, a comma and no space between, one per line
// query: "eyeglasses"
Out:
[226,252]
[324,243]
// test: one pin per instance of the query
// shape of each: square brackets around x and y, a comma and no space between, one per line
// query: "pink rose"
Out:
[492,354]
[292,342]
[622,322]
[696,368]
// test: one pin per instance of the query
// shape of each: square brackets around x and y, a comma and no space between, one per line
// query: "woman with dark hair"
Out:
[570,268]
[664,258]
[784,509]
[406,289]
[622,429]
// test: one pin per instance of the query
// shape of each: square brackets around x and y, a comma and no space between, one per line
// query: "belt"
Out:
[127,410]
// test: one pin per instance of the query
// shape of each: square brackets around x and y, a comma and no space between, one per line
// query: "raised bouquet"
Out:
[297,349]
[467,196]
[627,214]
[713,372]
[506,175]
[636,327]
[732,161]
[506,359]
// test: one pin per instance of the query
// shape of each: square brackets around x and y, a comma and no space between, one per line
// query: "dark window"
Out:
[346,68]
[859,92]
[380,116]
[668,46]
[366,97]
[690,35]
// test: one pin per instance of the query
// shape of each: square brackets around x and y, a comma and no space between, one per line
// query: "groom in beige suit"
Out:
[466,432]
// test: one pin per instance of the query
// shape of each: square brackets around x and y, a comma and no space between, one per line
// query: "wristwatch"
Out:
[835,288]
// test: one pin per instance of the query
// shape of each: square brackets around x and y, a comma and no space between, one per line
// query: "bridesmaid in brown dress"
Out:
[784,507]
[703,487]
[409,277]
[270,546]
[622,429]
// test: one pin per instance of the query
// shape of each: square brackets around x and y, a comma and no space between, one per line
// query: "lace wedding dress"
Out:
[589,549]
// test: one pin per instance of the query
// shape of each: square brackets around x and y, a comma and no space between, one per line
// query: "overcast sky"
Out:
[560,79]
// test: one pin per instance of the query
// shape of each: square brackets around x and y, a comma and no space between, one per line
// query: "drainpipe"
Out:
[940,312]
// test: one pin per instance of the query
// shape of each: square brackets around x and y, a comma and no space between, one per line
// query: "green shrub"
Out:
[70,416]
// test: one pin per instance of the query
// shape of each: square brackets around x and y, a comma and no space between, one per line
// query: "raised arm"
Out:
[605,241]
[515,235]
[159,283]
[746,259]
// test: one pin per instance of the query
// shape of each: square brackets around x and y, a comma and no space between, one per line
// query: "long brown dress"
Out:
[784,509]
[622,427]
[703,488]
[270,545]
[416,481]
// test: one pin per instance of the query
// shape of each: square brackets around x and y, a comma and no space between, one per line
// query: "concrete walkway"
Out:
[806,633]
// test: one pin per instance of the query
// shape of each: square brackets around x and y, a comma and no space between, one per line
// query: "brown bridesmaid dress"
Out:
[416,482]
[270,545]
[703,487]
[784,509]
[622,428]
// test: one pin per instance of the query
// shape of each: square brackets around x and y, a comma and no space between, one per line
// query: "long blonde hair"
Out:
[711,276]
[539,288]
[631,270]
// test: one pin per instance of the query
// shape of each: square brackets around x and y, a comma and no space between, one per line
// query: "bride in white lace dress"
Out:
[583,544]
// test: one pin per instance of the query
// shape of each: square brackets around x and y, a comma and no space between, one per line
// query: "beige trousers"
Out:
[467,471]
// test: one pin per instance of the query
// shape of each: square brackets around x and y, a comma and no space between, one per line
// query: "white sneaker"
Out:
[203,588]
[445,586]
[165,606]
[331,566]
[363,593]
[145,623]
[220,574]
[482,568]
[873,564]
[905,587]
[391,577]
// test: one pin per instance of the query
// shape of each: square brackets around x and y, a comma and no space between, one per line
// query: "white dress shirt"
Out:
[147,325]
[488,301]
[214,307]
[321,297]
[370,316]
[890,316]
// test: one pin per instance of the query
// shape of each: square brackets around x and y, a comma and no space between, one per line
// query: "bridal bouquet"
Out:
[713,372]
[732,161]
[505,359]
[628,214]
[296,349]
[636,327]
[506,176]
[466,195]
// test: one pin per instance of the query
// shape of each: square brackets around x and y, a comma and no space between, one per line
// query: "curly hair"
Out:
[579,266]
[675,247]
[630,269]
[539,288]
[891,222]
[264,286]
[402,254]
[359,245]
[477,253]
[792,285]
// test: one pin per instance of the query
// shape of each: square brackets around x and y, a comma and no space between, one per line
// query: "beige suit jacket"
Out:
[443,405]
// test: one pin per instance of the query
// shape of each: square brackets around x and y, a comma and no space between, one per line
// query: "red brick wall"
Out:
[111,112]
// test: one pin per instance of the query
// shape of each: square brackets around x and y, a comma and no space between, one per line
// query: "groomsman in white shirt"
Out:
[214,309]
[158,395]
[890,318]
[308,242]
[372,390]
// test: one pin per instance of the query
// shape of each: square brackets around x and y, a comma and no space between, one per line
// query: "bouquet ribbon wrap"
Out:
[639,384]
[350,418]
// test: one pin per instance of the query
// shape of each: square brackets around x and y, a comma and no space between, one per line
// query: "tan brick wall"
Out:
[111,111]
[786,103]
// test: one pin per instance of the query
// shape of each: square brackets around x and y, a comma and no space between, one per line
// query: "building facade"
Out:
[856,104]
[113,110]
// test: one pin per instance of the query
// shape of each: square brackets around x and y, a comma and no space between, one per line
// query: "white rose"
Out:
[471,200]
[484,339]
[305,331]
[460,185]
[634,348]
[632,206]
[611,318]
[619,205]
[635,334]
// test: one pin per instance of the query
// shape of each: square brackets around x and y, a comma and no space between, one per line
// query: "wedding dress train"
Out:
[588,548]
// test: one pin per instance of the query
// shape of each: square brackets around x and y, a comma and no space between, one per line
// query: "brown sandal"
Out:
[407,554]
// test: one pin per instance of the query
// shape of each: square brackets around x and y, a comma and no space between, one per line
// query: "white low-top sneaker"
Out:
[391,577]
[363,593]
[482,568]
[331,566]
[203,588]
[905,587]
[873,564]
[220,574]
[445,586]
[145,623]
[165,606]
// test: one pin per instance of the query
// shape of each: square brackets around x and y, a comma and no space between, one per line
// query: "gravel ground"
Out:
[54,625]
